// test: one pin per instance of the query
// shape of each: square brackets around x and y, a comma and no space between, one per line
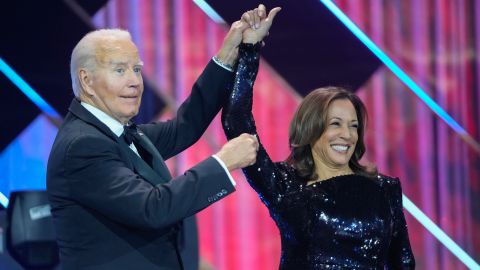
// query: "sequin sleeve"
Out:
[400,254]
[237,118]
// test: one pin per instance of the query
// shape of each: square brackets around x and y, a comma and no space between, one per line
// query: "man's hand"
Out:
[228,53]
[259,23]
[239,152]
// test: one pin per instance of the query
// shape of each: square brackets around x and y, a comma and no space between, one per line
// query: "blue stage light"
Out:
[28,91]
[32,95]
[3,200]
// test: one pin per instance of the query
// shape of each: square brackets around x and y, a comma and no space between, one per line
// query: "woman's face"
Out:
[336,145]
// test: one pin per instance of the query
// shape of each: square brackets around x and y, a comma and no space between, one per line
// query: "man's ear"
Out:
[85,78]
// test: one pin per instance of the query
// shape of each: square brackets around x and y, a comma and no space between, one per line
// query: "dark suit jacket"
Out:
[113,211]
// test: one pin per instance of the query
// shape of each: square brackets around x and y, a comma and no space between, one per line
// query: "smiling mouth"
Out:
[340,148]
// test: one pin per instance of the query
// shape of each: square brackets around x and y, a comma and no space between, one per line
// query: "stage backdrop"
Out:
[435,42]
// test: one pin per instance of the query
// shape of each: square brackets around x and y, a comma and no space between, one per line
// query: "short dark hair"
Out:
[309,123]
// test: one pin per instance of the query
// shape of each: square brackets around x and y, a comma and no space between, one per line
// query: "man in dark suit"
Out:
[114,203]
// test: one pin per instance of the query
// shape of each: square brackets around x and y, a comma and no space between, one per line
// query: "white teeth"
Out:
[340,147]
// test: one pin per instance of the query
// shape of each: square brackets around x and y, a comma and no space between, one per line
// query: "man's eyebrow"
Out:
[120,63]
[117,63]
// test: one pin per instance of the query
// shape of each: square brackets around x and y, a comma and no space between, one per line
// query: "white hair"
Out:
[83,55]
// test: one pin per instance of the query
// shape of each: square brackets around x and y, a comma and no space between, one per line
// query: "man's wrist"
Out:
[219,62]
[225,168]
[227,55]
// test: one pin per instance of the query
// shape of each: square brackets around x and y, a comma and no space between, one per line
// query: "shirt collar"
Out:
[115,126]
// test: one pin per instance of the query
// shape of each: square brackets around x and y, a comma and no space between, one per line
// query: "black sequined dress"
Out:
[345,222]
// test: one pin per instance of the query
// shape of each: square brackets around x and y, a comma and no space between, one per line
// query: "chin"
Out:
[341,164]
[132,112]
[341,161]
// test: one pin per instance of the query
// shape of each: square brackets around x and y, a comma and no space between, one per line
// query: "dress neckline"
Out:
[332,179]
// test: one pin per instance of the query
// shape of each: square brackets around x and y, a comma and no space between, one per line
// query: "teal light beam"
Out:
[3,200]
[28,90]
[209,11]
[393,67]
[439,234]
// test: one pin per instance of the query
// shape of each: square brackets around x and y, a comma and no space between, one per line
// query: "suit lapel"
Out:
[158,161]
[158,175]
[142,168]
[79,111]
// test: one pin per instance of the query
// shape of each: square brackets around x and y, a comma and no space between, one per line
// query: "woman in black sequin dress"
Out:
[332,212]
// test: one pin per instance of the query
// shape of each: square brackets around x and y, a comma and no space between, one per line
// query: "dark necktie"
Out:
[131,135]
[146,150]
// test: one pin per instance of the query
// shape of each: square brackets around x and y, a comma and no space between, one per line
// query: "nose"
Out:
[346,132]
[135,80]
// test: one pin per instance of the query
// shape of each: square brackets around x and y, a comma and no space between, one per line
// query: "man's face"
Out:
[116,85]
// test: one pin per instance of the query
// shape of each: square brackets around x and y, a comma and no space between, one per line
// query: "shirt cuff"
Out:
[226,170]
[218,62]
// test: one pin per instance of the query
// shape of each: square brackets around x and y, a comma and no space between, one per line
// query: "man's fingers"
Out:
[242,25]
[262,11]
[256,144]
[252,16]
[256,18]
[247,18]
[254,139]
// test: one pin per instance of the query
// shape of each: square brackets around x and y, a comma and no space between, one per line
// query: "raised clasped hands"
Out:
[251,28]
[259,23]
